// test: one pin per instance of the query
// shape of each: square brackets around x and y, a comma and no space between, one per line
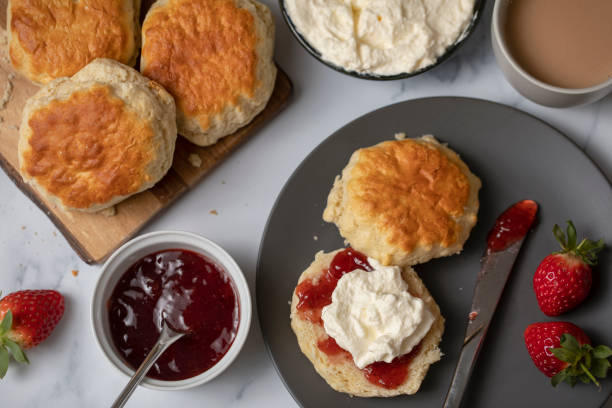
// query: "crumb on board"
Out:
[194,160]
[75,273]
[54,234]
[109,212]
[316,238]
[222,181]
[8,91]
[23,227]
[214,212]
[400,136]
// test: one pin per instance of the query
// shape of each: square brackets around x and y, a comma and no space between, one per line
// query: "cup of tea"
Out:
[556,53]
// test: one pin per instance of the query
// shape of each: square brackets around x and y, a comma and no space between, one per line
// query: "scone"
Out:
[215,58]
[92,140]
[336,365]
[56,38]
[405,202]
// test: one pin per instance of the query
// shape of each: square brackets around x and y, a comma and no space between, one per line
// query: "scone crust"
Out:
[90,141]
[49,39]
[215,58]
[405,202]
[342,374]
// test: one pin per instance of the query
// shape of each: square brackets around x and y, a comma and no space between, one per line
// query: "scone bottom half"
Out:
[90,141]
[404,202]
[403,375]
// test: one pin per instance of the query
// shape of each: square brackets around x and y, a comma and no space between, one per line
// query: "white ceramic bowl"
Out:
[144,245]
[530,87]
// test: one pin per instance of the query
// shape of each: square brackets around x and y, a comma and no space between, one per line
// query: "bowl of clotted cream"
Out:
[381,39]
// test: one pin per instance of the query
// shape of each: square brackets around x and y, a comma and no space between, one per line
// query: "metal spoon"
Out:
[166,338]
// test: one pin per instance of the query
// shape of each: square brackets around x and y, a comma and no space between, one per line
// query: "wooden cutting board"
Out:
[95,236]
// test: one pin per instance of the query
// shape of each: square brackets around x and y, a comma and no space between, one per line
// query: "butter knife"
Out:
[503,244]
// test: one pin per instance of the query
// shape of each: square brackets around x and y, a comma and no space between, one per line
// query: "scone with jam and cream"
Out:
[404,202]
[369,330]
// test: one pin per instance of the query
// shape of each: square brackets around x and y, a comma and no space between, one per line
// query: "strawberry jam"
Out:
[312,298]
[195,295]
[512,225]
[390,375]
[331,348]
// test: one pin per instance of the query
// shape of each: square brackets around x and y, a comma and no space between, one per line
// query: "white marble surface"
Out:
[69,370]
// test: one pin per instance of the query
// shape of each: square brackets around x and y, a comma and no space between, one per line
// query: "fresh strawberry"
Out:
[27,318]
[563,351]
[563,279]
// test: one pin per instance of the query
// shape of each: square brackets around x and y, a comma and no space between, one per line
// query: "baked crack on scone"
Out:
[92,140]
[403,375]
[56,38]
[404,202]
[215,58]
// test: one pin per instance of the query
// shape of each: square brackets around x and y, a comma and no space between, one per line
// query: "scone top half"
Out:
[56,38]
[90,141]
[215,58]
[404,202]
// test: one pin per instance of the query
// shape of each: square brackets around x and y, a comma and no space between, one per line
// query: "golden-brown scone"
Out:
[90,141]
[340,371]
[215,58]
[50,39]
[404,202]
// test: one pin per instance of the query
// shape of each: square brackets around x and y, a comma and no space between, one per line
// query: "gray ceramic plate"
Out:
[517,156]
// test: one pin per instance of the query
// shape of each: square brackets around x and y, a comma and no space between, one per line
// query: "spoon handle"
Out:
[162,344]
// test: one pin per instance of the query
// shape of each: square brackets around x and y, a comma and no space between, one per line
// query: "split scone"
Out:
[393,349]
[92,140]
[405,202]
[56,38]
[215,58]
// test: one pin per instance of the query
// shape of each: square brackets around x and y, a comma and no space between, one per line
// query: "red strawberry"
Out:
[27,318]
[563,351]
[563,279]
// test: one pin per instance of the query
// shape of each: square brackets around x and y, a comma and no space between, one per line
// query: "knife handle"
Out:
[463,371]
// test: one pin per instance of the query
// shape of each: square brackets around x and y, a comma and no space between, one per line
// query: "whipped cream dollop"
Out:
[383,37]
[373,316]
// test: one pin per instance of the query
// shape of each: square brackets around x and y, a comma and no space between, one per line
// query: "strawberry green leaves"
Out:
[6,323]
[6,345]
[585,362]
[4,362]
[587,249]
[18,354]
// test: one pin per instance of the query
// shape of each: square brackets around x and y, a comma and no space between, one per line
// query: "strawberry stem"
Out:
[588,373]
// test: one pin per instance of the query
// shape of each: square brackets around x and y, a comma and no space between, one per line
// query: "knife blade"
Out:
[504,242]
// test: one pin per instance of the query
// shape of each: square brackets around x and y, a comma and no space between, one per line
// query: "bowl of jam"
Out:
[186,280]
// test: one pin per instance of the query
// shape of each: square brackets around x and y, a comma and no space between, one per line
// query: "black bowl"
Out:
[478,8]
